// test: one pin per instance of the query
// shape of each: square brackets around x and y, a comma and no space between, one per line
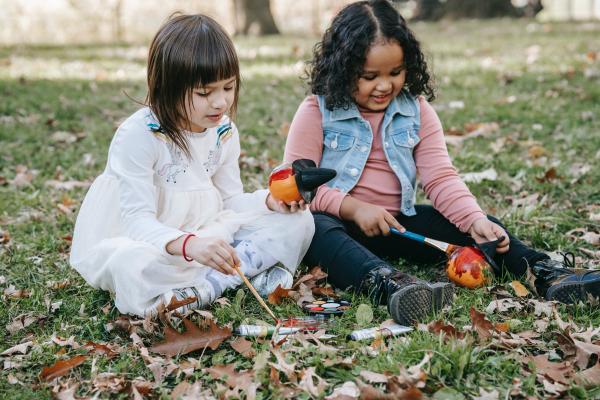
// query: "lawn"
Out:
[518,97]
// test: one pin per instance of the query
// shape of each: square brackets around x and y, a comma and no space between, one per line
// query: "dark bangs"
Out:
[188,52]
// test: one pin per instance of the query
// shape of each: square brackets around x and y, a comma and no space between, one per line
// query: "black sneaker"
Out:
[561,281]
[408,299]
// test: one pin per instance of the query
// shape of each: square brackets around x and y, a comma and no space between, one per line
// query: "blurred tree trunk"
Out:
[436,9]
[254,17]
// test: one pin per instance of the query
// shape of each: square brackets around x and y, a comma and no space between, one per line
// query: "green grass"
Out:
[81,89]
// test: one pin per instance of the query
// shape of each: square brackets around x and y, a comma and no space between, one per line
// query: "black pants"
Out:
[347,254]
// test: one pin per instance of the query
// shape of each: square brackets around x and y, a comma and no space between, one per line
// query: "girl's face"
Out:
[382,77]
[209,103]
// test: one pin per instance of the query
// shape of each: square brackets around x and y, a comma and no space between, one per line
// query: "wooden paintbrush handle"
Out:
[255,293]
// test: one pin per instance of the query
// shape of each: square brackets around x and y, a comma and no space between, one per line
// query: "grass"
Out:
[539,83]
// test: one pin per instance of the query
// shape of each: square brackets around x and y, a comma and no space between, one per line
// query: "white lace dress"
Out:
[150,194]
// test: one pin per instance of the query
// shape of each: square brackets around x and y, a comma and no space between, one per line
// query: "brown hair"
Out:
[188,52]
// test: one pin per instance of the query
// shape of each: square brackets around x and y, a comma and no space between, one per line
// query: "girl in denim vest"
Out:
[168,218]
[370,120]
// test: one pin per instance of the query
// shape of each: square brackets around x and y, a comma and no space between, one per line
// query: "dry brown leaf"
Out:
[4,237]
[584,352]
[549,175]
[536,151]
[307,383]
[193,338]
[373,377]
[282,365]
[394,391]
[310,280]
[243,346]
[483,327]
[61,367]
[519,288]
[587,236]
[243,380]
[99,348]
[448,329]
[20,348]
[590,377]
[327,291]
[174,304]
[13,293]
[347,391]
[277,296]
[557,371]
[23,321]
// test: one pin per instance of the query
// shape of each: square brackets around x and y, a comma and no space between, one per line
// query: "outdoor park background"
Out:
[519,99]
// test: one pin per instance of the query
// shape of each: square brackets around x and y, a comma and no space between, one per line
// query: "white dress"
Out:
[150,194]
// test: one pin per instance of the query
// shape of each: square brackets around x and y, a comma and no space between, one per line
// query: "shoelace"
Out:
[568,259]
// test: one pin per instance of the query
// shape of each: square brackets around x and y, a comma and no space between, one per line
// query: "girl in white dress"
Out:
[168,217]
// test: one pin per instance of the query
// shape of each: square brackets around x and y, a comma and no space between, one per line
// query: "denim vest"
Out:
[347,140]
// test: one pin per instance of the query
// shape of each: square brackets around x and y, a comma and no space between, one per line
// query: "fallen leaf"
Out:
[485,395]
[277,296]
[584,352]
[582,234]
[590,377]
[23,321]
[174,304]
[558,372]
[193,338]
[99,348]
[67,185]
[61,367]
[20,348]
[503,305]
[550,175]
[520,290]
[347,391]
[449,330]
[307,382]
[243,346]
[536,151]
[483,327]
[243,380]
[373,377]
[326,291]
[476,177]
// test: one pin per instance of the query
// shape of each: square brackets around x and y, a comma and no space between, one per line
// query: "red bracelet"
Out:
[185,257]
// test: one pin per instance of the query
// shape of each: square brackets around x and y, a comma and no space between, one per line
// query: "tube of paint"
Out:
[263,331]
[377,332]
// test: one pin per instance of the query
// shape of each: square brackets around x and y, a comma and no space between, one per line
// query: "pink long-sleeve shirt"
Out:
[377,183]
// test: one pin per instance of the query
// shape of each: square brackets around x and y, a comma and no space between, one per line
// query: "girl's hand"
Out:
[375,220]
[484,230]
[213,252]
[281,207]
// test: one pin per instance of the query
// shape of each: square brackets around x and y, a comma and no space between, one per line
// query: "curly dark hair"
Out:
[338,59]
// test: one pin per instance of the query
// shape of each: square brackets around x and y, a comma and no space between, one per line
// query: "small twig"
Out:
[255,293]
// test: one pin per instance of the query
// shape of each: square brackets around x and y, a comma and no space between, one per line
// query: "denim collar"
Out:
[399,105]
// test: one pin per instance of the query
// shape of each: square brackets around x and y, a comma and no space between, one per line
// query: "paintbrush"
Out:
[255,293]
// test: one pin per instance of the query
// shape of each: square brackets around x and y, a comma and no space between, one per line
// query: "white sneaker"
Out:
[267,281]
[204,295]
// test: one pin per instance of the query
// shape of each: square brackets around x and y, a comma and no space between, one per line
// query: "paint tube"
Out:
[264,331]
[377,332]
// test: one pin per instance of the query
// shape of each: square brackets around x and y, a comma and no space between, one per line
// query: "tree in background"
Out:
[254,17]
[432,10]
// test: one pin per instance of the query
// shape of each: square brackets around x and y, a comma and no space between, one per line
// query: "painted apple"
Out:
[467,267]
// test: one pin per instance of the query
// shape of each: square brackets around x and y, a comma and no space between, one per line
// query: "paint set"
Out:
[326,307]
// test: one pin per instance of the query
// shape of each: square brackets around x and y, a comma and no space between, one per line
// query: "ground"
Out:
[519,101]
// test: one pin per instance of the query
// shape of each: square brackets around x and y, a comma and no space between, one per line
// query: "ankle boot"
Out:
[408,299]
[561,281]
